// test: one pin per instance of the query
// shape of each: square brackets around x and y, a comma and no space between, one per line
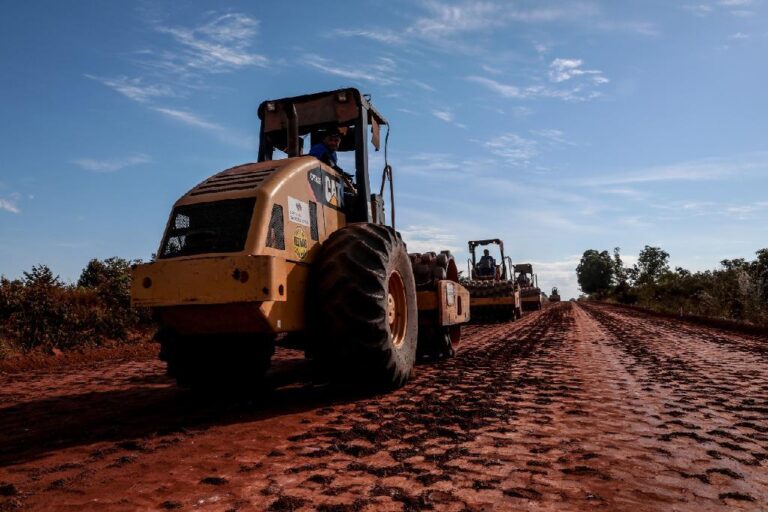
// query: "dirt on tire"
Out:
[574,407]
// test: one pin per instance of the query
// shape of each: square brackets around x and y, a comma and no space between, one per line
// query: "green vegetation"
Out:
[39,311]
[738,290]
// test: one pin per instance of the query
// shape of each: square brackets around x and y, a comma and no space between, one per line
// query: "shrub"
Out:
[40,311]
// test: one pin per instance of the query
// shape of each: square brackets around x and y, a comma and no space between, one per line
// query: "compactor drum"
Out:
[491,285]
[295,251]
[530,293]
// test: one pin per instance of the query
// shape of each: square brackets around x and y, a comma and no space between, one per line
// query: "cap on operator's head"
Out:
[486,251]
[333,134]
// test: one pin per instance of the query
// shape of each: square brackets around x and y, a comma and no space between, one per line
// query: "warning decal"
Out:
[300,244]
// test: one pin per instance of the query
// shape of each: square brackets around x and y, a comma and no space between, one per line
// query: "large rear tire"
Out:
[365,303]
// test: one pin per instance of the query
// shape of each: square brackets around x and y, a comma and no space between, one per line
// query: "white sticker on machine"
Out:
[298,211]
[450,294]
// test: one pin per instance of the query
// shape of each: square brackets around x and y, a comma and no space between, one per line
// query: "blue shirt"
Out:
[319,151]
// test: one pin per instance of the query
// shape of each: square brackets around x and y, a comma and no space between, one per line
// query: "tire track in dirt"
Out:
[565,410]
[444,406]
[710,390]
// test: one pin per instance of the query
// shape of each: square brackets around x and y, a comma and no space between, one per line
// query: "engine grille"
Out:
[237,178]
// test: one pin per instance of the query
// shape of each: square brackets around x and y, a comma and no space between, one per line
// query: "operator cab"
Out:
[486,268]
[287,123]
[525,276]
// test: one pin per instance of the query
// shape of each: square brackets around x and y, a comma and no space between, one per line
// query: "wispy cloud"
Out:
[443,115]
[700,170]
[739,8]
[553,136]
[381,35]
[699,9]
[446,19]
[449,25]
[188,118]
[191,119]
[381,71]
[505,90]
[112,165]
[678,210]
[428,238]
[423,85]
[221,44]
[447,115]
[513,148]
[746,211]
[627,192]
[136,88]
[561,70]
[429,163]
[9,205]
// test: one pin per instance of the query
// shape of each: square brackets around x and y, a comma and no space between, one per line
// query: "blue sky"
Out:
[557,126]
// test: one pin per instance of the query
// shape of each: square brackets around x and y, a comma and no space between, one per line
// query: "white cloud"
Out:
[541,48]
[735,3]
[452,25]
[699,9]
[223,134]
[9,205]
[427,238]
[381,36]
[443,115]
[739,35]
[444,19]
[490,69]
[708,169]
[554,136]
[222,44]
[578,92]
[505,90]
[423,85]
[188,118]
[381,71]
[625,192]
[742,13]
[734,7]
[513,148]
[746,211]
[94,165]
[136,88]
[559,273]
[430,164]
[561,70]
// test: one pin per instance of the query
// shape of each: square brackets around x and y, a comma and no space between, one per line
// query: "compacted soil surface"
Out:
[576,407]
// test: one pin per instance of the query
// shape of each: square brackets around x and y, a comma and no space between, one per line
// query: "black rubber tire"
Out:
[235,363]
[435,342]
[350,289]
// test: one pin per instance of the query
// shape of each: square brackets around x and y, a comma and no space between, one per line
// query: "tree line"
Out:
[39,311]
[737,290]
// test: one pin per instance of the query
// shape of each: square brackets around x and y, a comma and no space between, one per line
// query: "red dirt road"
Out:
[572,408]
